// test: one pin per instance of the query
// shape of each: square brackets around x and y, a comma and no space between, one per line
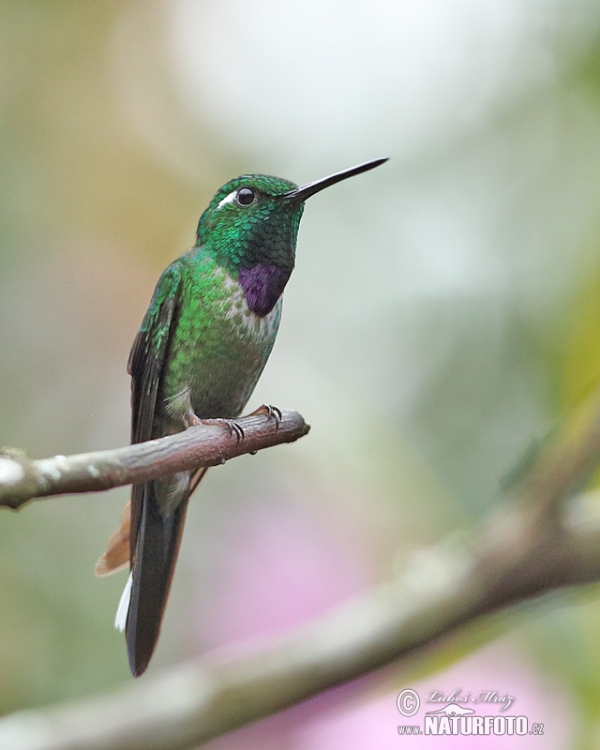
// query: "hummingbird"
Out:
[201,348]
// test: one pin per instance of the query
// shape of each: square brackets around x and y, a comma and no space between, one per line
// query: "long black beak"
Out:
[302,193]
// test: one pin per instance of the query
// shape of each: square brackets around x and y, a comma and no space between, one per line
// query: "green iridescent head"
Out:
[249,223]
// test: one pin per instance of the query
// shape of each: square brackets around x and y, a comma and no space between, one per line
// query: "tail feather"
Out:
[157,537]
[123,608]
[157,548]
[117,554]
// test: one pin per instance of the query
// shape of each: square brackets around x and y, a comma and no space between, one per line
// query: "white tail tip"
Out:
[123,609]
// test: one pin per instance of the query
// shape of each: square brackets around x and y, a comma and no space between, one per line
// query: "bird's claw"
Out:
[270,412]
[235,428]
[231,425]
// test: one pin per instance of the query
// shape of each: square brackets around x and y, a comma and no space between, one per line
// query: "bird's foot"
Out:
[231,425]
[270,412]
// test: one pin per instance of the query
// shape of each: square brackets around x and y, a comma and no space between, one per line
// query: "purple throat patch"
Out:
[263,286]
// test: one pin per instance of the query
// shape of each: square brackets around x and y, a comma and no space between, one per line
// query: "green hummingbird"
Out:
[197,357]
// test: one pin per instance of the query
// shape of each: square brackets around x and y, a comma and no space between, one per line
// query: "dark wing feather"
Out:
[154,537]
[145,365]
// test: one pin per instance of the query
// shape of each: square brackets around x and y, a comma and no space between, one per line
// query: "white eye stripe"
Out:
[227,199]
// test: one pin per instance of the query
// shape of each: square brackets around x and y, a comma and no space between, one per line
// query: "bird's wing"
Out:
[155,535]
[145,365]
[147,356]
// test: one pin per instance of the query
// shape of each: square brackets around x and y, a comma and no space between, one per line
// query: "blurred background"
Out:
[443,316]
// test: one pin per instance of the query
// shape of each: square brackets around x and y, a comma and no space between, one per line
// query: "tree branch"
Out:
[531,545]
[22,478]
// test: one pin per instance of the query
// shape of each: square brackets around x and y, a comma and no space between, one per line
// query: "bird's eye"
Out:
[245,196]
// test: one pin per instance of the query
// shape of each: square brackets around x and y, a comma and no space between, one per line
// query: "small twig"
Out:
[22,478]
